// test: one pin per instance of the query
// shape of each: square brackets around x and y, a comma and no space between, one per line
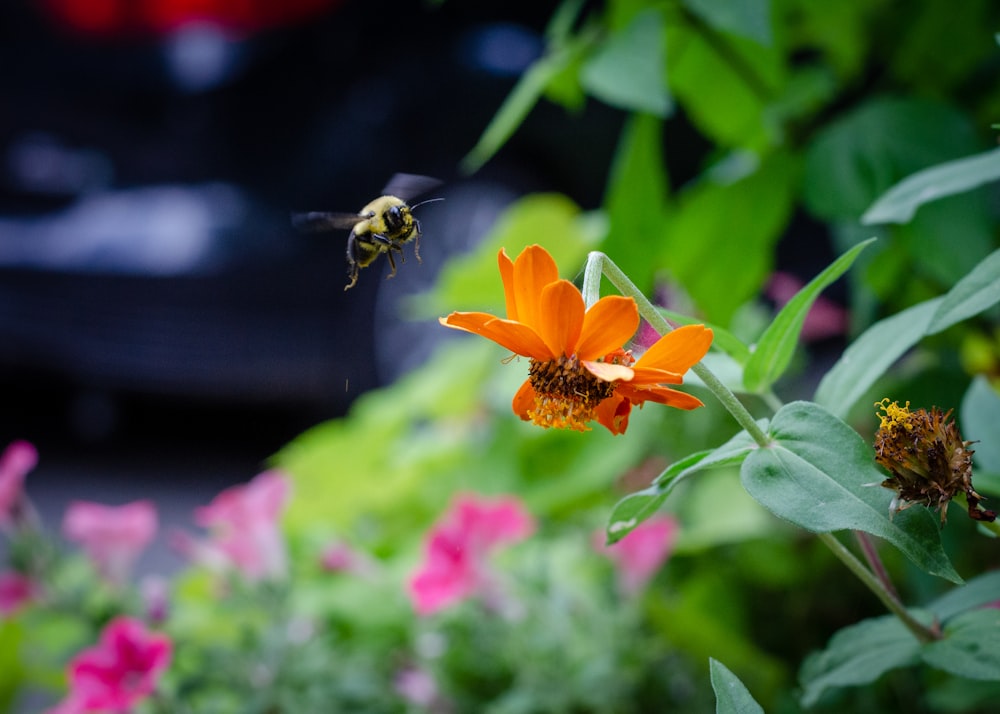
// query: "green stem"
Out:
[894,606]
[597,264]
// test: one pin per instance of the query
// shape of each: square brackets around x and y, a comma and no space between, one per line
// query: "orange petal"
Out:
[613,414]
[609,372]
[533,270]
[660,395]
[608,324]
[561,317]
[507,276]
[677,350]
[506,333]
[524,400]
[646,375]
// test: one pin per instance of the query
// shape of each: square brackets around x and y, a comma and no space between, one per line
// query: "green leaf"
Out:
[818,474]
[627,71]
[472,281]
[749,18]
[981,590]
[900,202]
[981,423]
[970,647]
[977,291]
[635,198]
[878,347]
[774,350]
[523,97]
[731,695]
[719,239]
[859,157]
[858,654]
[871,354]
[637,507]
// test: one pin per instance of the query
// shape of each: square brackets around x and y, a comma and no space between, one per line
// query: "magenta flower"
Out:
[457,547]
[16,590]
[16,461]
[121,670]
[113,537]
[641,553]
[825,318]
[245,529]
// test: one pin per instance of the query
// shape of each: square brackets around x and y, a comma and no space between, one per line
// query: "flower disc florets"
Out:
[928,461]
[566,393]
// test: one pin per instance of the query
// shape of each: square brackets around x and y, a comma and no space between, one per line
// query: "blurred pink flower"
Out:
[418,687]
[641,553]
[825,318]
[122,669]
[113,537]
[244,525]
[456,549]
[339,557]
[16,461]
[16,590]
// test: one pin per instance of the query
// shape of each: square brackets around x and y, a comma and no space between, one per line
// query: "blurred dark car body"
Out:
[150,163]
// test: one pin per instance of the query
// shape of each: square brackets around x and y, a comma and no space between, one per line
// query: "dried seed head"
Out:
[927,459]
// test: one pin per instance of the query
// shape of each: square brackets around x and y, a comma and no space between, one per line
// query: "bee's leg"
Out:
[416,240]
[392,264]
[352,261]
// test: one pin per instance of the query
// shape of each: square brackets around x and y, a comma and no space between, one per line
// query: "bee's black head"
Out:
[395,217]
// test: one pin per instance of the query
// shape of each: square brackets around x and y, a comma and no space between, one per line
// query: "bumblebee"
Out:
[383,226]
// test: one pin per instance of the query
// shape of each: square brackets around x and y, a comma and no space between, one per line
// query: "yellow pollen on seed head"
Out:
[566,393]
[895,415]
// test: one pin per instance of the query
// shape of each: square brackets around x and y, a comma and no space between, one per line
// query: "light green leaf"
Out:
[977,291]
[871,354]
[472,281]
[731,695]
[818,475]
[858,654]
[979,591]
[774,350]
[720,237]
[981,423]
[627,71]
[636,196]
[900,202]
[878,347]
[749,18]
[970,647]
[637,507]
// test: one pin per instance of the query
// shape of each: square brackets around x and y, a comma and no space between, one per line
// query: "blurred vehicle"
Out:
[151,152]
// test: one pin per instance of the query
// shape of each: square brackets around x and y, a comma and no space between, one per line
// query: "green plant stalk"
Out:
[921,632]
[599,264]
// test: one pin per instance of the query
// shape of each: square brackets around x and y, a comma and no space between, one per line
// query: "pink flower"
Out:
[457,546]
[641,553]
[339,557]
[16,461]
[825,318]
[112,536]
[16,590]
[122,669]
[244,525]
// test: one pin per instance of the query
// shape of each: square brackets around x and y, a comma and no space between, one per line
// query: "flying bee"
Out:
[383,226]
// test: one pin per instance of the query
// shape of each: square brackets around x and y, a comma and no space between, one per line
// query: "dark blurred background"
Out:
[163,330]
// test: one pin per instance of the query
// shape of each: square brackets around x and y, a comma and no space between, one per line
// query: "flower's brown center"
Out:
[566,393]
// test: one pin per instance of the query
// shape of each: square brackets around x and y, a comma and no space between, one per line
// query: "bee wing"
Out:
[409,186]
[317,221]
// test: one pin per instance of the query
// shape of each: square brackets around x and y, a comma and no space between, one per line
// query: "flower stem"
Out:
[875,562]
[597,264]
[921,632]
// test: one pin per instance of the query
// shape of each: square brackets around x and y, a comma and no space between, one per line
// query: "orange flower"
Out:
[578,369]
